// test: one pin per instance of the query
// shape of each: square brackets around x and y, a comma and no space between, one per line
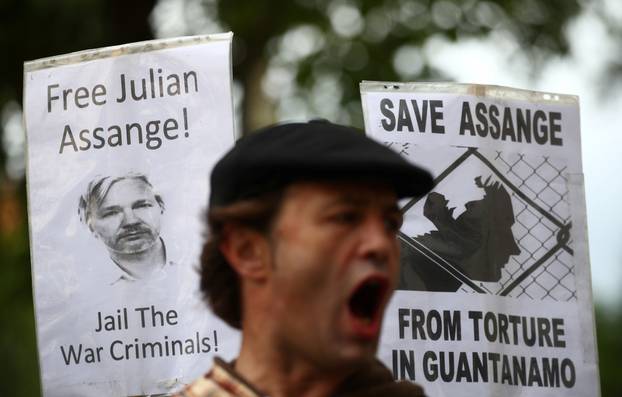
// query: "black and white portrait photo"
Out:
[125,213]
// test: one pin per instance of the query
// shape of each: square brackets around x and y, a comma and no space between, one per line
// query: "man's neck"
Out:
[141,265]
[278,373]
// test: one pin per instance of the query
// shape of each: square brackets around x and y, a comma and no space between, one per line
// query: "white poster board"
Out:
[121,142]
[495,296]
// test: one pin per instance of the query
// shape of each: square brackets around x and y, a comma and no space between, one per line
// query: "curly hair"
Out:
[219,283]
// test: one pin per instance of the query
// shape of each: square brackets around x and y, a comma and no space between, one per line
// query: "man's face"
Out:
[128,219]
[335,261]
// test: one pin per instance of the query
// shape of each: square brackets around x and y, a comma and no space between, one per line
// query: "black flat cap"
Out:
[315,151]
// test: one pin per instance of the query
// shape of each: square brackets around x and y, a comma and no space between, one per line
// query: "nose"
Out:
[378,241]
[129,217]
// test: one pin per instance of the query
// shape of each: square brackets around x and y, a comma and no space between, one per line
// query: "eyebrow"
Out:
[142,201]
[108,208]
[114,206]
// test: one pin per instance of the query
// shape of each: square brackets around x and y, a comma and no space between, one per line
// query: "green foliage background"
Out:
[31,29]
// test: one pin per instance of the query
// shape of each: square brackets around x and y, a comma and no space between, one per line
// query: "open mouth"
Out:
[366,300]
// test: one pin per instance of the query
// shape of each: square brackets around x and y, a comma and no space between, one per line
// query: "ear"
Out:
[247,251]
[92,230]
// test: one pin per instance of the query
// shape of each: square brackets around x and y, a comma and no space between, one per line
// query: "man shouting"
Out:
[302,256]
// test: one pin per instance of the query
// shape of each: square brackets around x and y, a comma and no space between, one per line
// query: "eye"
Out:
[107,214]
[394,223]
[346,217]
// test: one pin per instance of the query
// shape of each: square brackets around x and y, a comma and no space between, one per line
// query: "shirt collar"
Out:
[224,374]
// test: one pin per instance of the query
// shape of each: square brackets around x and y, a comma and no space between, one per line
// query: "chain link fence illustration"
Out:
[544,269]
[544,184]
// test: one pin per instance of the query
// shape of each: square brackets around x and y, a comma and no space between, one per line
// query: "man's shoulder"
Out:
[374,380]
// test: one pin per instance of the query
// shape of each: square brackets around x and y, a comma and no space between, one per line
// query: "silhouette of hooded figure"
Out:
[477,244]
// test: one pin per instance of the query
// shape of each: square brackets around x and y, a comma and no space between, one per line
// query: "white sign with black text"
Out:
[121,141]
[494,295]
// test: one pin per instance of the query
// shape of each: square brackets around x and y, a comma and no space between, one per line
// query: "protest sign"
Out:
[494,295]
[121,142]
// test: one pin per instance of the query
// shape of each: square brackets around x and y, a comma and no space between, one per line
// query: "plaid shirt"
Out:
[221,381]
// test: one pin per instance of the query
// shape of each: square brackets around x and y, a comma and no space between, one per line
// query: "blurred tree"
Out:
[608,326]
[308,56]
